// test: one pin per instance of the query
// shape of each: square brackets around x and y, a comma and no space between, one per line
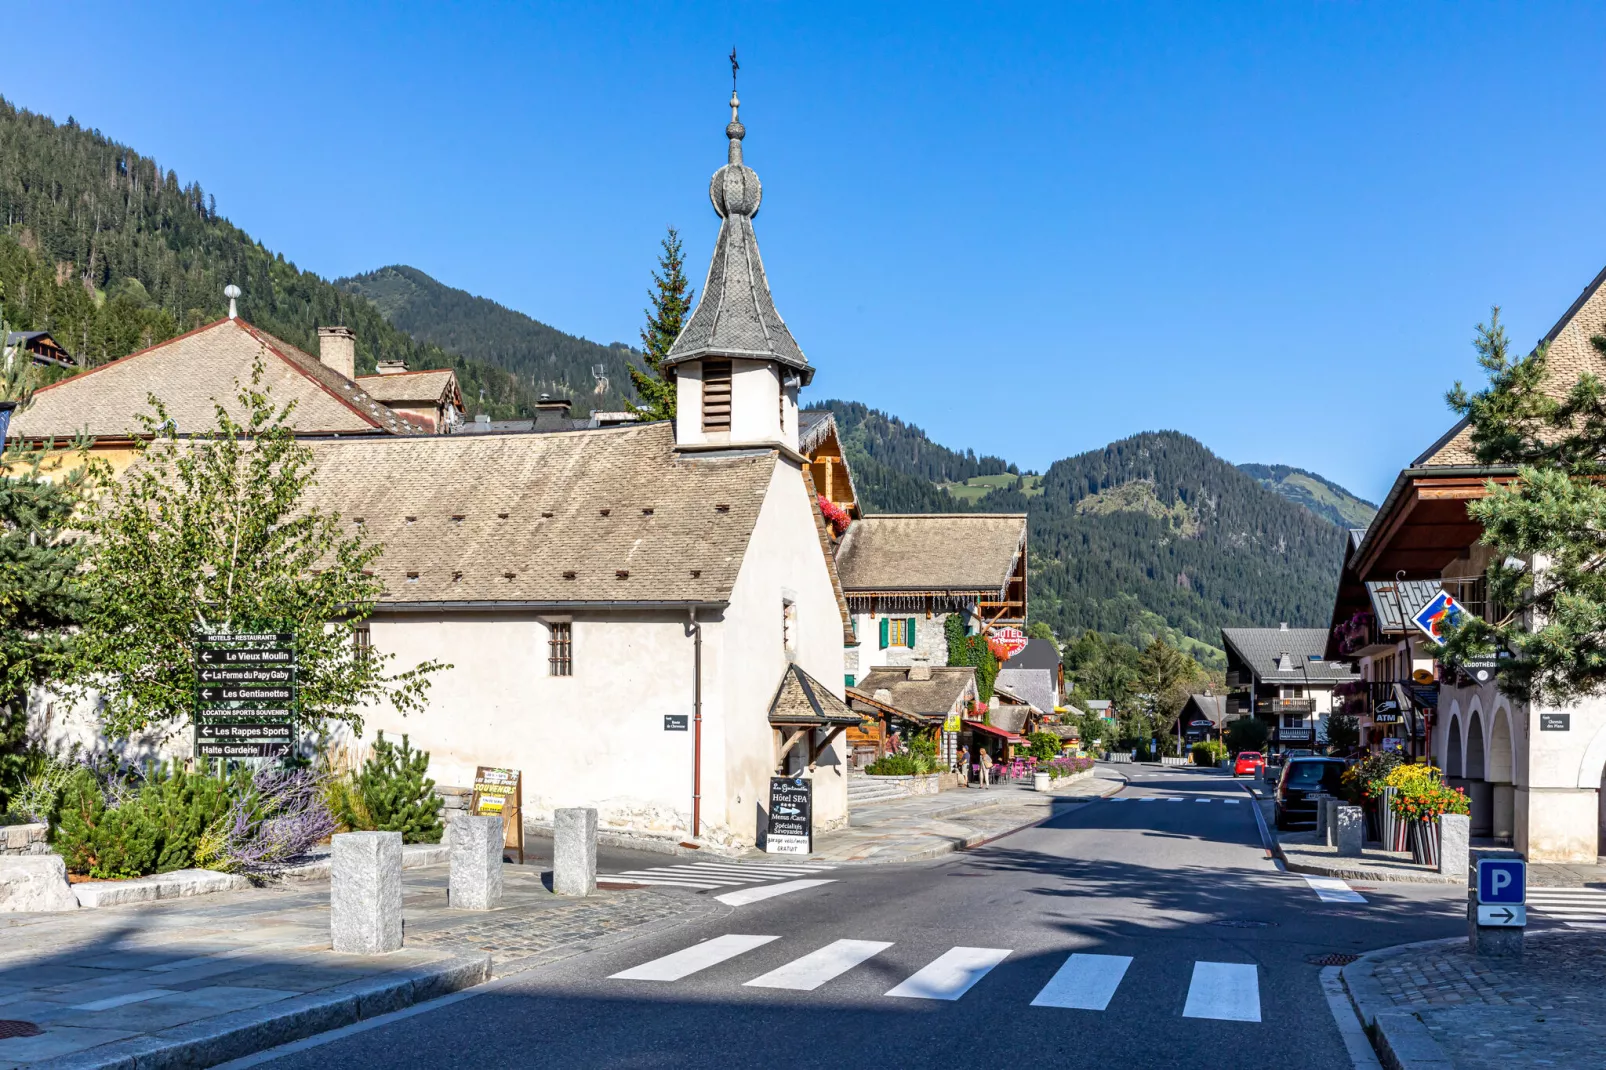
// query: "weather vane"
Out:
[734,68]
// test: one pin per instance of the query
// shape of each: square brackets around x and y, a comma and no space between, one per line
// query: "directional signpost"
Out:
[1500,910]
[246,695]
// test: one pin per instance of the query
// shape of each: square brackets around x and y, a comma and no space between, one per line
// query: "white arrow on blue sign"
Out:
[1502,881]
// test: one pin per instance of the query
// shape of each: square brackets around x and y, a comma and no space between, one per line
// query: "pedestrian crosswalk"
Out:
[1578,907]
[703,876]
[1222,991]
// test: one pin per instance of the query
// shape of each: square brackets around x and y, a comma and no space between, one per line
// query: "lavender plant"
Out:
[278,819]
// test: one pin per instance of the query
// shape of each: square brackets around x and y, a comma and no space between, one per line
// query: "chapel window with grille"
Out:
[560,648]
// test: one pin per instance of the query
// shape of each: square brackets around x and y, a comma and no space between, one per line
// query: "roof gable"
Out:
[969,552]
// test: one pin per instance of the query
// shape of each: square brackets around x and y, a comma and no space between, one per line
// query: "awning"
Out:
[977,726]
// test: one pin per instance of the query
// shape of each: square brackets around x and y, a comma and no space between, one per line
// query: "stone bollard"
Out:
[1351,831]
[1321,816]
[1330,829]
[365,893]
[574,851]
[476,876]
[1455,844]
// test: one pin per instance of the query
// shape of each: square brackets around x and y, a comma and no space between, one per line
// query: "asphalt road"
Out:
[1192,949]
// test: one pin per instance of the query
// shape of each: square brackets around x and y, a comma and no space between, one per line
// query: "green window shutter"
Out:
[909,635]
[884,623]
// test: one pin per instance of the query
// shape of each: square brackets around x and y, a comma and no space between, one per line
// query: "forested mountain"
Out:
[1151,536]
[110,254]
[1319,495]
[542,357]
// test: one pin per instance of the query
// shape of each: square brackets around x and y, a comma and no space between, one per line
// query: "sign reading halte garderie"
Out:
[791,827]
[246,694]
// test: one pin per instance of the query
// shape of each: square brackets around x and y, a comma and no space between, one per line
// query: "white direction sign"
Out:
[1509,914]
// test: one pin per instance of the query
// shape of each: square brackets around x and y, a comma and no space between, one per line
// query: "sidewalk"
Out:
[1300,852]
[1436,1007]
[926,826]
[198,981]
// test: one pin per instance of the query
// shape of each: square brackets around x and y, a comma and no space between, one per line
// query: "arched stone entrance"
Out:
[1452,748]
[1478,788]
[1502,790]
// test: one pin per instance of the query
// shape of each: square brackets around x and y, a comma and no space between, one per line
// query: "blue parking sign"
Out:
[1502,880]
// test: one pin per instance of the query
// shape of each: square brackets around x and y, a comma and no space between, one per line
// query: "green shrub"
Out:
[395,794]
[154,826]
[1045,745]
[1209,752]
[1142,753]
[892,765]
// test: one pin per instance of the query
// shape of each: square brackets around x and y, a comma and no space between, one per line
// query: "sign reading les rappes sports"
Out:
[246,694]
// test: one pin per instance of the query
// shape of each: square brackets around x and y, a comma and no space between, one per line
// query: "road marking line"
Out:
[759,873]
[1226,991]
[662,875]
[1173,798]
[688,961]
[1150,798]
[1333,890]
[1204,800]
[1232,802]
[951,974]
[817,967]
[124,1000]
[744,896]
[668,882]
[1085,982]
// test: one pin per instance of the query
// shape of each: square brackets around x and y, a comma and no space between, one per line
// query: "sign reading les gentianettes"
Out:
[246,694]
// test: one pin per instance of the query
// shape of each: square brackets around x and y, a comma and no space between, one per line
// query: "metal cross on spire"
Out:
[734,68]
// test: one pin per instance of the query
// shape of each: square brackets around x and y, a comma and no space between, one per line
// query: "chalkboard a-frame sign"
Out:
[500,793]
[791,827]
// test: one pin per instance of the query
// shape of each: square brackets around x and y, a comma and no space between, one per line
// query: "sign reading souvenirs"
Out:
[500,793]
[675,722]
[1007,641]
[245,695]
[1440,612]
[791,828]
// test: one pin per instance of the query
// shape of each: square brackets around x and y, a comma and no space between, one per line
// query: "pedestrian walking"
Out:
[964,766]
[986,769]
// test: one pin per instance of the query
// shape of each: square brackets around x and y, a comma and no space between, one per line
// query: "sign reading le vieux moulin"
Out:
[245,695]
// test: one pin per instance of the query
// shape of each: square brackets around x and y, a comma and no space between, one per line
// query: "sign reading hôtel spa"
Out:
[791,828]
[245,695]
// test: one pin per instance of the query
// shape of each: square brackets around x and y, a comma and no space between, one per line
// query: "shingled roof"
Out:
[973,552]
[931,699]
[801,701]
[188,372]
[605,516]
[736,316]
[1262,648]
[421,387]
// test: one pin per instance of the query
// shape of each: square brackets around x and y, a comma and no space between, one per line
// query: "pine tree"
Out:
[1553,513]
[671,304]
[398,796]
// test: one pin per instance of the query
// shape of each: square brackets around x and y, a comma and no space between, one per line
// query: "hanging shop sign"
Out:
[1007,641]
[1481,670]
[500,793]
[246,694]
[1441,612]
[791,824]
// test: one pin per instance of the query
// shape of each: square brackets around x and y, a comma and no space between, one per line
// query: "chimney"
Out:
[1282,626]
[337,350]
[919,668]
[552,414]
[883,695]
[392,367]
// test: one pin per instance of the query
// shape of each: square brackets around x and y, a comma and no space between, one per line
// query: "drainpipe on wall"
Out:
[697,725]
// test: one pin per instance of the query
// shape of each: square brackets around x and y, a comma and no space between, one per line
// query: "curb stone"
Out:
[1349,873]
[246,1032]
[1401,1040]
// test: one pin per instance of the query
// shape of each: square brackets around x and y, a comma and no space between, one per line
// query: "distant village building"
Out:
[1203,717]
[1037,674]
[41,348]
[429,398]
[1282,676]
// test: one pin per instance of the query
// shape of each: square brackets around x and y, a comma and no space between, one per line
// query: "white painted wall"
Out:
[689,404]
[756,405]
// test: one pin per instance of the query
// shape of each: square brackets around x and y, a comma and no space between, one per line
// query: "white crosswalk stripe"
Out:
[1578,907]
[743,896]
[1333,890]
[814,969]
[1226,991]
[1085,982]
[952,974]
[689,960]
[710,875]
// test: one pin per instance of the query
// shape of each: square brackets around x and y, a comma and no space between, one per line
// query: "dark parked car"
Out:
[1302,778]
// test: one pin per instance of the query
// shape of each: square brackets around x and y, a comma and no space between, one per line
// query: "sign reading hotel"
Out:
[1439,613]
[791,828]
[246,695]
[500,793]
[1007,641]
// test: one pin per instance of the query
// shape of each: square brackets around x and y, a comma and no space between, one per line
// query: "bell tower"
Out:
[737,368]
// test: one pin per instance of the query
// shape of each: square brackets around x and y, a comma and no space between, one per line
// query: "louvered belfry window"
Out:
[716,395]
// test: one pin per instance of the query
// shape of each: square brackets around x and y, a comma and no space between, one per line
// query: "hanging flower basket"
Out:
[834,515]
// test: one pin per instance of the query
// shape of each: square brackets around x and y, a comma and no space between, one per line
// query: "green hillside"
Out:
[110,253]
[542,358]
[1320,496]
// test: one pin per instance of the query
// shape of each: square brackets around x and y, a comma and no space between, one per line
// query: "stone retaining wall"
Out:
[24,839]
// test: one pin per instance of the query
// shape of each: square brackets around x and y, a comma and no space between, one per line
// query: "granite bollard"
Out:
[365,893]
[476,862]
[574,851]
[1330,827]
[1455,844]
[1321,815]
[1351,831]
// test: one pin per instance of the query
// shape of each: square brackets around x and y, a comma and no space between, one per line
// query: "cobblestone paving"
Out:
[1547,1008]
[514,935]
[1566,875]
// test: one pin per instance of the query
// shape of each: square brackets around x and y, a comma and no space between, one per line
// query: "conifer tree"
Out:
[1547,525]
[671,304]
[397,794]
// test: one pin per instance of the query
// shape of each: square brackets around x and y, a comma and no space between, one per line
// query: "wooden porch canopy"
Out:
[800,707]
[1423,524]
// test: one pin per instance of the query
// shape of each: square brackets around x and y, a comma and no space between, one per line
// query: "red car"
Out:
[1249,763]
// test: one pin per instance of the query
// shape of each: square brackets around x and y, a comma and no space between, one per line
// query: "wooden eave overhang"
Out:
[1423,524]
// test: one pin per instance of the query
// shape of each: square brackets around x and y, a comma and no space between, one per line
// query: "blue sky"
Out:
[1029,229]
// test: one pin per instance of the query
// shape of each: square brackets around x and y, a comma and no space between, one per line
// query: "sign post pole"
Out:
[1497,909]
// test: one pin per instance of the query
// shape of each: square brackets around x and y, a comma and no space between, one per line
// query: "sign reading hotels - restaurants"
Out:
[246,695]
[500,793]
[1439,613]
[791,828]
